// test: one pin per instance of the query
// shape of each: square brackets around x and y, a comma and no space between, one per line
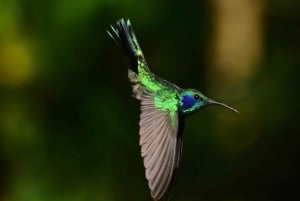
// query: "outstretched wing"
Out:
[159,146]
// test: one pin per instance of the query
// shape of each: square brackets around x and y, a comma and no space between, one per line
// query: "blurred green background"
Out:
[68,124]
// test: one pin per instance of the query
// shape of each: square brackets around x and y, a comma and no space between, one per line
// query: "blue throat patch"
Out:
[188,101]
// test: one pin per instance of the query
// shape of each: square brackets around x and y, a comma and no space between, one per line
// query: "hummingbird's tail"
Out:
[124,36]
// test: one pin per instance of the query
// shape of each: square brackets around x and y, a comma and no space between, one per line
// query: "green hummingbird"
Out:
[164,107]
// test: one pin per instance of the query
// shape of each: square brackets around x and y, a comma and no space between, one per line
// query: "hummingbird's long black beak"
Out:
[212,102]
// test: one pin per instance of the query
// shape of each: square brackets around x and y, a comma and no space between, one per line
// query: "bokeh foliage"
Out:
[69,127]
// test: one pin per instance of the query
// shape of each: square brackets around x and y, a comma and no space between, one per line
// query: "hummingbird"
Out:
[164,107]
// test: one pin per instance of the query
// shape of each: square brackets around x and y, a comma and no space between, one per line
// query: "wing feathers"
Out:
[158,146]
[166,178]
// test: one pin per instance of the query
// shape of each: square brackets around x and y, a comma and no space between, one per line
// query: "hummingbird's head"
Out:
[192,100]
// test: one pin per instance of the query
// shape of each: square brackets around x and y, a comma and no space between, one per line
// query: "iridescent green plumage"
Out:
[164,107]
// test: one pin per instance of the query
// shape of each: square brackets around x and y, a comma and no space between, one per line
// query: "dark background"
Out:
[69,127]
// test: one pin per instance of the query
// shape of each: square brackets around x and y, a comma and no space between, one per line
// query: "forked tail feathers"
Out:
[124,36]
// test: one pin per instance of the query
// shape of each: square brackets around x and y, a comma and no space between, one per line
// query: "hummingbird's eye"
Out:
[196,96]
